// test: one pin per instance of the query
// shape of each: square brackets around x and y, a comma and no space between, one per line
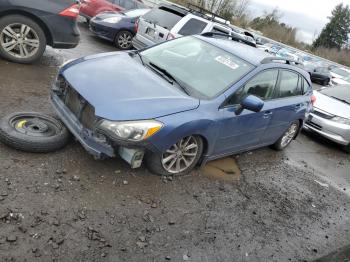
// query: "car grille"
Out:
[312,124]
[322,114]
[77,105]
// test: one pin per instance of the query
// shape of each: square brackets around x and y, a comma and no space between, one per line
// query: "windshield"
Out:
[136,12]
[338,92]
[205,70]
[341,72]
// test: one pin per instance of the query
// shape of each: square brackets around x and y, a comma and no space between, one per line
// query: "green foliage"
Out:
[336,33]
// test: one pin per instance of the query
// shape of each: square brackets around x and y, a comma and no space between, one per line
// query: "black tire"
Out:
[37,32]
[33,132]
[279,145]
[154,161]
[119,36]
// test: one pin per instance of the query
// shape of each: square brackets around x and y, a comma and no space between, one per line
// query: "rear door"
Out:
[156,24]
[289,104]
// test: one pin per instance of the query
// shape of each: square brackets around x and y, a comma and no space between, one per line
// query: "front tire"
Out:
[287,137]
[21,39]
[179,159]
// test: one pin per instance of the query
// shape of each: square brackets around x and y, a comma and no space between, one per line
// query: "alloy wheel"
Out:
[180,156]
[124,40]
[289,135]
[19,40]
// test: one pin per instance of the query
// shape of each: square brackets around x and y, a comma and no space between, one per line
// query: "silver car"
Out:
[331,115]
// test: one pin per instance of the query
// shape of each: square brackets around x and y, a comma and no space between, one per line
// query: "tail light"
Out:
[170,36]
[313,99]
[72,11]
[136,25]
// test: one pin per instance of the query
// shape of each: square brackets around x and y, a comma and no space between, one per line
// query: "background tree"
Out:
[336,33]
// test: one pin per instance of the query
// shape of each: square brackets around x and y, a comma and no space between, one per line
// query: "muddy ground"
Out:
[66,206]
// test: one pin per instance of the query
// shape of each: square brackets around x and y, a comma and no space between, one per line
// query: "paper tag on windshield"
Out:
[227,62]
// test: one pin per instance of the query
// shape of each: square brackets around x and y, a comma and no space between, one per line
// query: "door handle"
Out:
[267,114]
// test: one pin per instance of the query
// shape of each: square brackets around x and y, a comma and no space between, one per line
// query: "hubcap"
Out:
[181,155]
[289,135]
[124,40]
[19,40]
[34,126]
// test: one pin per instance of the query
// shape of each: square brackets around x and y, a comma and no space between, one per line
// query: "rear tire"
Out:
[21,39]
[287,137]
[33,132]
[123,40]
[166,163]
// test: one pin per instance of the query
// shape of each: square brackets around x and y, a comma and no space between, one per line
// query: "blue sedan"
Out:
[118,28]
[183,102]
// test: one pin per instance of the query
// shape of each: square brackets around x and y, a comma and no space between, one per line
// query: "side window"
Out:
[262,86]
[192,27]
[306,85]
[290,85]
[127,4]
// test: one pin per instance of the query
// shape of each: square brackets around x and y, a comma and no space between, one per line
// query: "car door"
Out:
[244,131]
[289,104]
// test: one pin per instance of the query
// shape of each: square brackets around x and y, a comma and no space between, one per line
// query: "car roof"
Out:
[248,53]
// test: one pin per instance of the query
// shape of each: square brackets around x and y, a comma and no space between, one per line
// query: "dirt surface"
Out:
[66,206]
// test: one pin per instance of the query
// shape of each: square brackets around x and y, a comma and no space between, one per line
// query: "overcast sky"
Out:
[309,16]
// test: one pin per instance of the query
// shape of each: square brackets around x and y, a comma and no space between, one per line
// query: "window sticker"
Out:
[227,62]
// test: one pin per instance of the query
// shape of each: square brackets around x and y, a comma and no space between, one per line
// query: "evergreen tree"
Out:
[336,33]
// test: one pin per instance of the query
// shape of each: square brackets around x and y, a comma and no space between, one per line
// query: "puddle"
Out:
[223,169]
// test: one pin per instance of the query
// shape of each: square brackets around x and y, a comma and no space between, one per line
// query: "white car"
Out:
[340,76]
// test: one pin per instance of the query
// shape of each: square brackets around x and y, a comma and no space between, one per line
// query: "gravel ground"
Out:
[66,206]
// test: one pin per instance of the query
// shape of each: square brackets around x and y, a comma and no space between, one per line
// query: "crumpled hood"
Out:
[331,105]
[121,88]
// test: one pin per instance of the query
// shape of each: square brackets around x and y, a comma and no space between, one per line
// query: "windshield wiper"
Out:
[341,100]
[171,78]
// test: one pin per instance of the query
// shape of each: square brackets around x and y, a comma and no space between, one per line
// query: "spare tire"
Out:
[33,132]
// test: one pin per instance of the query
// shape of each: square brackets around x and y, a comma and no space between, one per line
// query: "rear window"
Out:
[163,17]
[192,27]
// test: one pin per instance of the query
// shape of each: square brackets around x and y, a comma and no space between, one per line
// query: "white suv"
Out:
[168,21]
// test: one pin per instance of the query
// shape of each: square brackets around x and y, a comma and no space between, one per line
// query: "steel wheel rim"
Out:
[180,156]
[289,135]
[19,40]
[34,126]
[124,40]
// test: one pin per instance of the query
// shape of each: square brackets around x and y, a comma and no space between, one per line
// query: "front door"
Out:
[244,131]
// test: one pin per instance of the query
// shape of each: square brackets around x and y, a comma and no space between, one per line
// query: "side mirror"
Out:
[251,103]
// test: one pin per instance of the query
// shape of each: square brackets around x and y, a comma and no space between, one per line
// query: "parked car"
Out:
[330,117]
[91,8]
[225,98]
[118,28]
[27,26]
[169,21]
[340,75]
[319,75]
[289,54]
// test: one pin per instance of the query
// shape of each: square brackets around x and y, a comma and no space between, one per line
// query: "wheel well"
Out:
[123,29]
[205,146]
[35,19]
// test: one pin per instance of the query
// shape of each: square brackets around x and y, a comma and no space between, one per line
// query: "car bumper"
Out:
[329,129]
[102,31]
[140,42]
[83,135]
[64,31]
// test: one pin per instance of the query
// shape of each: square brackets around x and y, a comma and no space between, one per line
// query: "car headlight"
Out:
[131,130]
[111,20]
[341,120]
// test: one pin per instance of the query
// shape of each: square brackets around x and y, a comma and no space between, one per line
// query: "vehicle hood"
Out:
[120,88]
[331,105]
[339,81]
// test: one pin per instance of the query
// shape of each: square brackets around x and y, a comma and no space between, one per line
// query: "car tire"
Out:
[347,148]
[26,48]
[157,163]
[287,136]
[123,40]
[33,132]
